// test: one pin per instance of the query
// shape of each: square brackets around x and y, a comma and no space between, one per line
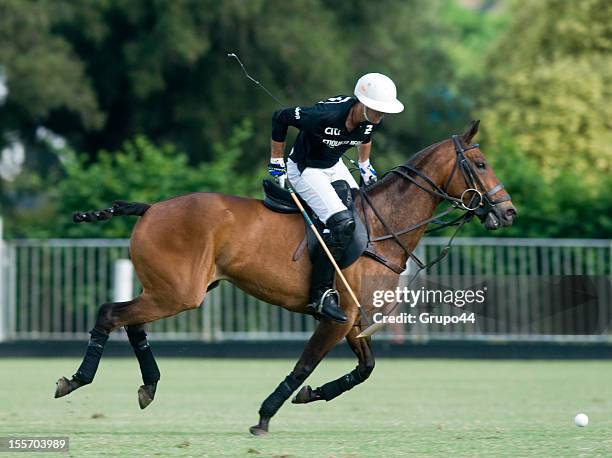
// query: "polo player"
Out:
[327,130]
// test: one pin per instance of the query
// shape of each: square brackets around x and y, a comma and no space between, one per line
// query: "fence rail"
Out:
[52,289]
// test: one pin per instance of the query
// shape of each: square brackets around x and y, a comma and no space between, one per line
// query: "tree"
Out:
[565,207]
[551,86]
[43,72]
[139,171]
[546,106]
[122,68]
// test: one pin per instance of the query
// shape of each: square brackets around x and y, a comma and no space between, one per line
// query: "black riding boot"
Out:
[323,298]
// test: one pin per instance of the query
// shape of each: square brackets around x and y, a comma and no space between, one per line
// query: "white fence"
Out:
[52,289]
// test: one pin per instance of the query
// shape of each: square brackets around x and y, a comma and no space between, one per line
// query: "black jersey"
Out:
[323,137]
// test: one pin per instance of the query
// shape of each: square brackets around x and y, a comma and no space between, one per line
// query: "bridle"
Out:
[480,203]
[485,202]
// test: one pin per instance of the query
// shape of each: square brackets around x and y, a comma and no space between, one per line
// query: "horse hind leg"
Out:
[331,390]
[148,366]
[110,317]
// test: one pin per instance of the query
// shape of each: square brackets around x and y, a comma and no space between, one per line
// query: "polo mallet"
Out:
[375,327]
[326,250]
[372,329]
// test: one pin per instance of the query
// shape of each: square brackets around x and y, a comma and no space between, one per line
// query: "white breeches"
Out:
[314,186]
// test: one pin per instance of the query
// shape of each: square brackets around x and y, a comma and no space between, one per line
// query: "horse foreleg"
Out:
[148,366]
[322,341]
[362,348]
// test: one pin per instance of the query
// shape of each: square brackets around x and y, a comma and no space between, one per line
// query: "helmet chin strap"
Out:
[365,115]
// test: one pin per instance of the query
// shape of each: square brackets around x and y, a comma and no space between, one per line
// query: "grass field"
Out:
[408,407]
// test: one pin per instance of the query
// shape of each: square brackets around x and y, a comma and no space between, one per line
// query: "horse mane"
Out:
[414,161]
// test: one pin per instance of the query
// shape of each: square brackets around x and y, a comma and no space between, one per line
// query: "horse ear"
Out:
[471,131]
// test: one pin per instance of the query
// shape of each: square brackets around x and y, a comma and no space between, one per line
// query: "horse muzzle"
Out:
[497,218]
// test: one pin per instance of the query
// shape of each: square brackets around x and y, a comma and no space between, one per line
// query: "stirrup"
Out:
[328,307]
[317,306]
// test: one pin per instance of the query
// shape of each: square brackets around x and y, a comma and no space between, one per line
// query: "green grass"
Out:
[408,407]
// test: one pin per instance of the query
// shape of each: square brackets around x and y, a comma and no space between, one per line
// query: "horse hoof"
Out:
[304,395]
[146,394]
[258,430]
[63,387]
[261,428]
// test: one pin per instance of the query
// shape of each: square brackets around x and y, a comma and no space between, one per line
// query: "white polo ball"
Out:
[581,420]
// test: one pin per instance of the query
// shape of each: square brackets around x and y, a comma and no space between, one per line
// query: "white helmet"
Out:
[378,92]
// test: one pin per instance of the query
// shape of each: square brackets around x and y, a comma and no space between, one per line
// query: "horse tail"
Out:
[119,208]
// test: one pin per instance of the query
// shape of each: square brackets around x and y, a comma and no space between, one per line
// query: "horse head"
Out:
[453,170]
[473,180]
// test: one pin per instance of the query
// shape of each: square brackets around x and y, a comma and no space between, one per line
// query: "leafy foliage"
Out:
[139,171]
[118,78]
[566,207]
[99,73]
[549,106]
[42,69]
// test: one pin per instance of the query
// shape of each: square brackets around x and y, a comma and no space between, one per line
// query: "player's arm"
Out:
[302,118]
[364,151]
[277,149]
[298,117]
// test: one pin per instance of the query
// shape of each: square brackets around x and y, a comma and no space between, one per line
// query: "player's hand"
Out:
[278,170]
[368,173]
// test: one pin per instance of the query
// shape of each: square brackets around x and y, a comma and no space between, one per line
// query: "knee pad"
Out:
[342,226]
[343,189]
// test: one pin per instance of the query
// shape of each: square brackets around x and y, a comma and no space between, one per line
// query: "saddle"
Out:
[279,200]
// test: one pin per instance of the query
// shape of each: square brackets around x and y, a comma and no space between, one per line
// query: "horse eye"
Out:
[481,165]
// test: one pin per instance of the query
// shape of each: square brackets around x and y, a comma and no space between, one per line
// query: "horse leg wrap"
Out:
[334,389]
[86,372]
[282,392]
[146,360]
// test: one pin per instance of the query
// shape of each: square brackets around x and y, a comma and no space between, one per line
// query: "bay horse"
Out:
[184,246]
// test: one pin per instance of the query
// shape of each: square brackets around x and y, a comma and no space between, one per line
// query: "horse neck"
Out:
[403,204]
